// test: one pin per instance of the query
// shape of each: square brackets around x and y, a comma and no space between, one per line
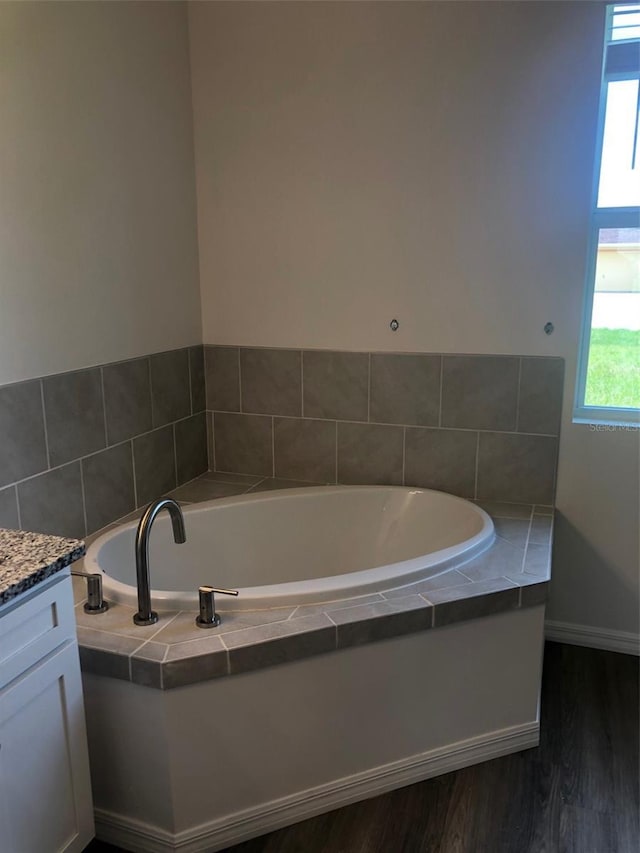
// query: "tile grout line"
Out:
[104,408]
[404,454]
[336,453]
[302,383]
[15,489]
[190,385]
[206,377]
[518,395]
[44,424]
[386,423]
[239,381]
[369,389]
[477,466]
[84,500]
[213,440]
[135,479]
[441,384]
[273,448]
[151,391]
[526,544]
[175,456]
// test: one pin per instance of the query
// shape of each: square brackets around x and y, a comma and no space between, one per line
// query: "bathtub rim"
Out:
[321,590]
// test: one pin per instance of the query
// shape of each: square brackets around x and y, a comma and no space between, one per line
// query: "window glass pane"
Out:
[620,165]
[613,373]
[626,22]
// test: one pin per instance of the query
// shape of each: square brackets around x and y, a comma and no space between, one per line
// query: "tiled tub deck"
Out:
[513,573]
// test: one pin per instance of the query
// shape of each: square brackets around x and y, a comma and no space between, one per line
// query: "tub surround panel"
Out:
[154,464]
[75,418]
[191,447]
[222,376]
[170,386]
[127,399]
[243,443]
[108,485]
[370,454]
[335,385]
[9,508]
[23,449]
[405,389]
[476,426]
[441,459]
[78,450]
[480,392]
[196,379]
[510,575]
[305,449]
[540,401]
[271,381]
[53,502]
[519,468]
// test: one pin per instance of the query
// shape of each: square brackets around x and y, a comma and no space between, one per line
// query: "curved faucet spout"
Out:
[145,615]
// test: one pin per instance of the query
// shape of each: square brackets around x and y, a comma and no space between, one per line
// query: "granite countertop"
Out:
[27,559]
[513,573]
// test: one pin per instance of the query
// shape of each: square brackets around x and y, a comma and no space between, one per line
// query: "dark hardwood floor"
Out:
[577,793]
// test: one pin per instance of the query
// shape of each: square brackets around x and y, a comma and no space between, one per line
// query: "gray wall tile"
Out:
[127,399]
[280,642]
[305,449]
[155,467]
[271,381]
[336,385]
[532,594]
[270,484]
[490,596]
[194,661]
[381,620]
[243,443]
[196,370]
[541,384]
[9,508]
[191,447]
[22,442]
[538,560]
[102,662]
[206,490]
[222,369]
[519,468]
[479,392]
[52,502]
[108,486]
[405,389]
[370,454]
[170,389]
[75,414]
[503,557]
[441,459]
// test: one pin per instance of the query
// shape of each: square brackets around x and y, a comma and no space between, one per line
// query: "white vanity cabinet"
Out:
[45,788]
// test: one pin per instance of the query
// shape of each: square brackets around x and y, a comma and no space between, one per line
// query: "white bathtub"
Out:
[297,546]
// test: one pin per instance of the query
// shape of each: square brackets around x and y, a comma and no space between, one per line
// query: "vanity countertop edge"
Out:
[27,559]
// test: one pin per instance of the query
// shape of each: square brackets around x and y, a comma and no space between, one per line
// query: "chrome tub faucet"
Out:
[145,615]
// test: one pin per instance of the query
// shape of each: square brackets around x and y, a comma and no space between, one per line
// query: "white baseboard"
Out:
[595,638]
[250,823]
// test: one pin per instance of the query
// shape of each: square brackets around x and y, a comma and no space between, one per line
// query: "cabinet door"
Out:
[45,789]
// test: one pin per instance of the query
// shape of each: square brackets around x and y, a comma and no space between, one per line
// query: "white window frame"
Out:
[604,217]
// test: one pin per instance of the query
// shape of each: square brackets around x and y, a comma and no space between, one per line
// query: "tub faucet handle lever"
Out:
[208,618]
[95,603]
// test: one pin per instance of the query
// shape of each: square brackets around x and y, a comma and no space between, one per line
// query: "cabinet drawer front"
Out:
[34,629]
